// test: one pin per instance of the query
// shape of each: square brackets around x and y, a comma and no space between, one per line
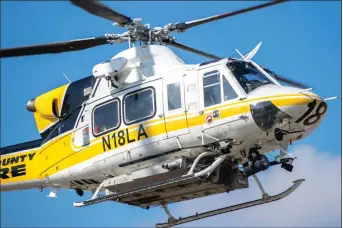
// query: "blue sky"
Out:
[298,43]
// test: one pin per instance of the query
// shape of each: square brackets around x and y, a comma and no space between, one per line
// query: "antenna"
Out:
[251,54]
[240,54]
[66,77]
[331,98]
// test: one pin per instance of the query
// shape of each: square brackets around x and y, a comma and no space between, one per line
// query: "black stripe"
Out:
[94,181]
[78,182]
[80,115]
[86,181]
[21,146]
[96,87]
[71,108]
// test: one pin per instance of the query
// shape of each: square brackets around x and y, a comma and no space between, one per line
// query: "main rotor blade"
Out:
[285,80]
[73,45]
[291,82]
[189,24]
[184,47]
[96,8]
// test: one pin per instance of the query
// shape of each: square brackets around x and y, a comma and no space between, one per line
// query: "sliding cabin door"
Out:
[174,105]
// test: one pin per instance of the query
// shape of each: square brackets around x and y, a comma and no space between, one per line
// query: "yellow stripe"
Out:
[158,129]
[58,154]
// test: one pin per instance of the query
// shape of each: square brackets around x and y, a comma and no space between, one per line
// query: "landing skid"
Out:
[265,199]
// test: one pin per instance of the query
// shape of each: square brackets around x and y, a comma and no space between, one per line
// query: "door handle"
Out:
[161,115]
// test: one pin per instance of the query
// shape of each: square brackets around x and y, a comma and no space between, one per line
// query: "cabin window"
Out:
[106,117]
[174,96]
[212,88]
[139,106]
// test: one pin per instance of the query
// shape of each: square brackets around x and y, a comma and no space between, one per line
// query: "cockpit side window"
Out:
[248,76]
[106,117]
[229,93]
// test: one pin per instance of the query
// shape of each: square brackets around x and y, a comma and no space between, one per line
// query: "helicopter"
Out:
[146,129]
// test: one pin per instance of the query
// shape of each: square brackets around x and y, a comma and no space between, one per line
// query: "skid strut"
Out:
[265,199]
[171,219]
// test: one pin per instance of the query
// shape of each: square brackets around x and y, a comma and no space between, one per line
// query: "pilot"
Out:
[244,82]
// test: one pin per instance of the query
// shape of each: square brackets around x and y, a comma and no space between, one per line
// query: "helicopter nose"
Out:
[302,110]
[310,113]
[307,114]
[306,111]
[304,107]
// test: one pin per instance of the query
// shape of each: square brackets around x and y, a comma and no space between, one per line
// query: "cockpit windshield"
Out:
[248,76]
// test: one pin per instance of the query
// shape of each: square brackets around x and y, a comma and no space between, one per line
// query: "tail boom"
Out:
[18,166]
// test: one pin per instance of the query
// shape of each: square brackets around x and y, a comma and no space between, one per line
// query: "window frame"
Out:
[258,68]
[212,72]
[144,118]
[118,112]
[231,84]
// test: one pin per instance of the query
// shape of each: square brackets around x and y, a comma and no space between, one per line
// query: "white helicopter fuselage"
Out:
[162,109]
[146,129]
